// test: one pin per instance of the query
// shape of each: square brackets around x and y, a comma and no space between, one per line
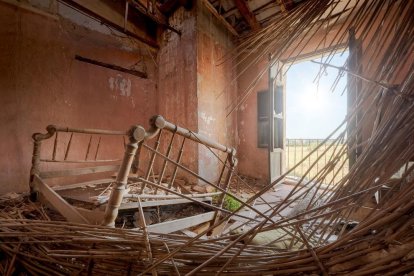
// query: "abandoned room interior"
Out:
[207,137]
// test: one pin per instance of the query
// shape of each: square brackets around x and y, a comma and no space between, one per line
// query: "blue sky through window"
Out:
[312,111]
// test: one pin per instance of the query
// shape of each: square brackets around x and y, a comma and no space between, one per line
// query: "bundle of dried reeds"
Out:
[383,241]
[61,248]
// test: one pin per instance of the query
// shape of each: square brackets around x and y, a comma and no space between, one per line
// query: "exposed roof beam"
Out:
[170,6]
[213,10]
[264,6]
[152,13]
[103,12]
[270,17]
[288,5]
[229,12]
[268,5]
[247,14]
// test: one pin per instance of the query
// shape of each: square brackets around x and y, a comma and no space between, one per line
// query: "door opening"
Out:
[315,106]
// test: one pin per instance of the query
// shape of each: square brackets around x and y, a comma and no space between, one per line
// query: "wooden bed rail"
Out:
[134,140]
[161,123]
[52,131]
[158,123]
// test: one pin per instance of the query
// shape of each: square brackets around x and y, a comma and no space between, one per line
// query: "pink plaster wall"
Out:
[253,161]
[215,89]
[193,90]
[41,83]
[177,78]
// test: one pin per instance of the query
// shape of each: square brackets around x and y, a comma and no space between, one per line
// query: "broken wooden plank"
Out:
[93,216]
[184,189]
[134,205]
[78,171]
[82,197]
[180,224]
[83,184]
[201,228]
[188,233]
[233,225]
[57,202]
[146,196]
[192,234]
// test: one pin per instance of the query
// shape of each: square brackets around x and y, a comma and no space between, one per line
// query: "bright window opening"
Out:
[313,111]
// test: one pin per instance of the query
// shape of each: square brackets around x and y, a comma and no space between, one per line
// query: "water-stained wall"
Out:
[177,78]
[41,83]
[216,89]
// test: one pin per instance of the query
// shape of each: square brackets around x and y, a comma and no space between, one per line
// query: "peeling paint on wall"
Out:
[45,86]
[206,118]
[67,103]
[120,84]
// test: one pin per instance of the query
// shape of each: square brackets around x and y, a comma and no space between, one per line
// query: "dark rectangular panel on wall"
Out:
[278,116]
[263,119]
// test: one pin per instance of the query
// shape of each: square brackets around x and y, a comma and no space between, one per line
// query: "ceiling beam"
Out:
[152,13]
[229,12]
[213,10]
[288,5]
[169,6]
[268,5]
[103,12]
[269,18]
[247,14]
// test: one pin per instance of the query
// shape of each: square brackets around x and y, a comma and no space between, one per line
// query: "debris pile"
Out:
[360,225]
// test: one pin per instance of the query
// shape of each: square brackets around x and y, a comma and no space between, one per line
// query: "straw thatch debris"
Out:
[36,241]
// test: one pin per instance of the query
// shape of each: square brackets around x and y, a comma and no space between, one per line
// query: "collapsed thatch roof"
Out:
[383,241]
